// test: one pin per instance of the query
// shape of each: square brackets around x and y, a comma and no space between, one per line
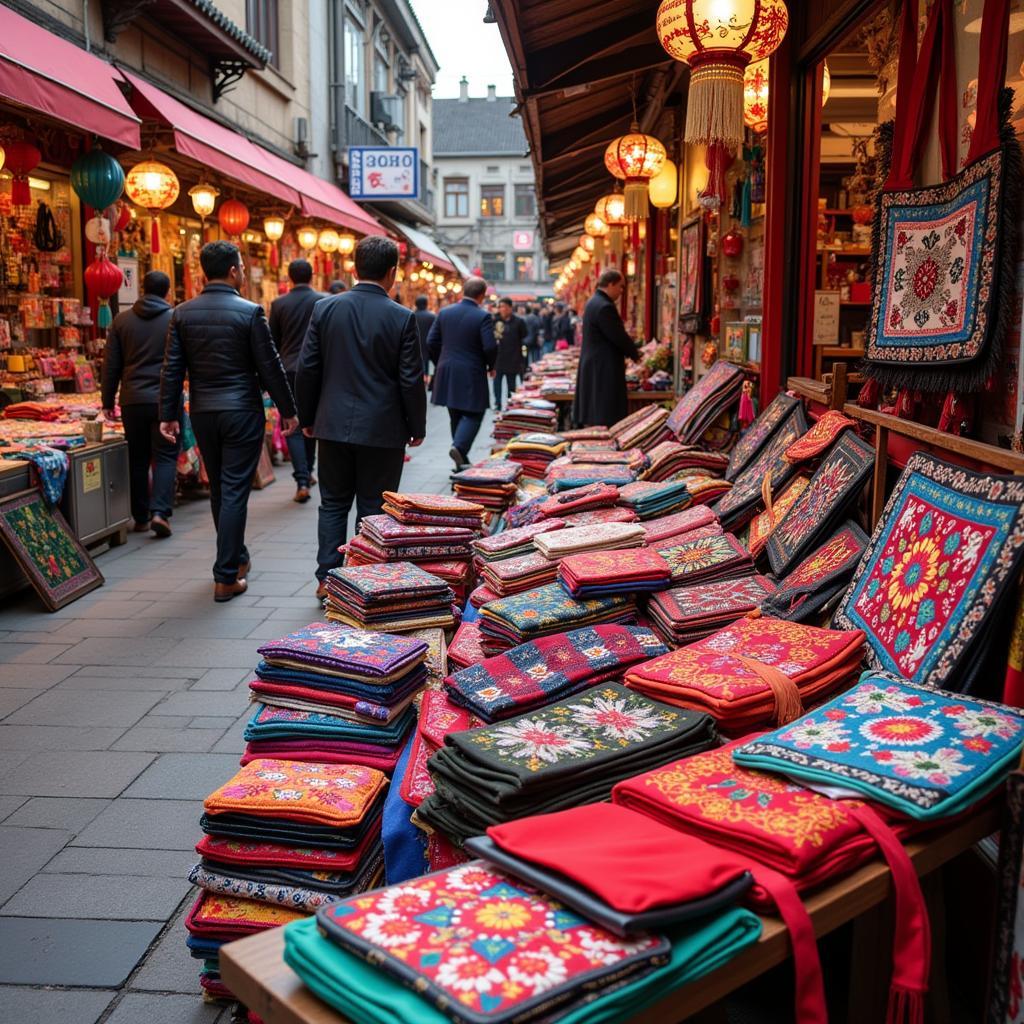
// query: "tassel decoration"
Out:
[155,235]
[714,110]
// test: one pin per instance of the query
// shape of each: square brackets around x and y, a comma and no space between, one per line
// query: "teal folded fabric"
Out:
[367,996]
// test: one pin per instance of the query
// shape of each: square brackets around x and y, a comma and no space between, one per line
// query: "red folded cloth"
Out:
[664,527]
[580,499]
[465,650]
[438,717]
[593,571]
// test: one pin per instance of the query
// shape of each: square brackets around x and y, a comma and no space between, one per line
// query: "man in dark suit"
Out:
[289,318]
[510,332]
[132,359]
[359,385]
[462,346]
[424,321]
[601,379]
[222,341]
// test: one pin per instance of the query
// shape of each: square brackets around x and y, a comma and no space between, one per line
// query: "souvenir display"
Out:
[513,542]
[820,437]
[679,524]
[433,510]
[713,394]
[650,499]
[579,499]
[685,614]
[580,539]
[514,575]
[758,433]
[763,523]
[393,597]
[535,452]
[596,573]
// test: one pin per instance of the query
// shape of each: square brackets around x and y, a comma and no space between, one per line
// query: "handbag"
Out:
[944,254]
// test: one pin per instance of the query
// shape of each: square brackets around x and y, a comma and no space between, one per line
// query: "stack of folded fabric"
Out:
[714,394]
[589,517]
[433,510]
[576,540]
[403,542]
[684,615]
[538,418]
[703,559]
[511,621]
[465,649]
[602,434]
[644,428]
[704,490]
[754,672]
[578,499]
[535,452]
[593,453]
[456,572]
[671,458]
[567,754]
[436,661]
[511,543]
[514,575]
[678,524]
[394,597]
[649,499]
[491,483]
[598,573]
[537,673]
[564,478]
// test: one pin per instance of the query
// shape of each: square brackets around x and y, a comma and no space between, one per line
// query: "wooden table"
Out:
[254,970]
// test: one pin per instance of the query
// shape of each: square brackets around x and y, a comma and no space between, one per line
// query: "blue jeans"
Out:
[499,380]
[465,427]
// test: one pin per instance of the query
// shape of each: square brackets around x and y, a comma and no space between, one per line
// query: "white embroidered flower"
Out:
[872,699]
[534,738]
[938,767]
[390,930]
[986,722]
[605,948]
[470,878]
[287,794]
[814,732]
[538,971]
[272,776]
[616,719]
[595,652]
[468,974]
[404,899]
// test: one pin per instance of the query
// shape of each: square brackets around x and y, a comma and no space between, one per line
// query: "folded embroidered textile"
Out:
[905,746]
[564,755]
[510,621]
[712,395]
[437,654]
[514,575]
[524,419]
[819,578]
[363,550]
[275,723]
[238,852]
[259,828]
[401,504]
[767,468]
[327,702]
[494,497]
[410,517]
[535,451]
[759,432]
[331,883]
[410,621]
[650,499]
[323,751]
[624,870]
[834,488]
[598,433]
[390,533]
[595,573]
[536,673]
[606,455]
[683,615]
[820,437]
[670,457]
[566,478]
[597,537]
[365,995]
[579,499]
[678,523]
[590,517]
[399,596]
[705,490]
[482,595]
[763,523]
[753,672]
[348,653]
[704,558]
[465,649]
[489,472]
[456,572]
[307,677]
[937,572]
[231,917]
[513,542]
[644,428]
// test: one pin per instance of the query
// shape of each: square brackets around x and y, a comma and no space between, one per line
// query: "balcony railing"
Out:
[361,133]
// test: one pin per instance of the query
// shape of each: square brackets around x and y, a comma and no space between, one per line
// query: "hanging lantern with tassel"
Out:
[635,158]
[663,186]
[346,243]
[755,96]
[718,39]
[97,178]
[103,278]
[233,217]
[612,210]
[154,187]
[21,158]
[598,230]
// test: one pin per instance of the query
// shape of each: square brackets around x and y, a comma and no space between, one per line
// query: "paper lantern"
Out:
[204,199]
[103,279]
[233,217]
[3,156]
[587,243]
[755,96]
[612,210]
[273,228]
[97,178]
[718,39]
[664,185]
[307,237]
[580,255]
[97,230]
[154,187]
[21,158]
[348,266]
[346,244]
[635,158]
[329,240]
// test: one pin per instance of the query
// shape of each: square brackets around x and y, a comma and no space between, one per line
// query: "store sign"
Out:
[522,241]
[826,317]
[383,172]
[129,290]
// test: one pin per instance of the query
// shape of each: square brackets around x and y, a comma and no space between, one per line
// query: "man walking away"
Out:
[132,360]
[600,398]
[359,386]
[424,321]
[547,326]
[562,326]
[510,333]
[461,344]
[289,318]
[533,332]
[223,343]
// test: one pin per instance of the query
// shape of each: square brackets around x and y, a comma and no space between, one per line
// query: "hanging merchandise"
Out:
[233,217]
[97,178]
[124,216]
[47,237]
[635,158]
[154,187]
[307,237]
[103,279]
[97,230]
[945,253]
[757,175]
[21,158]
[329,240]
[346,244]
[204,199]
[718,39]
[664,186]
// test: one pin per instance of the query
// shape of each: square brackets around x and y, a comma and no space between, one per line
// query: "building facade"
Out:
[486,199]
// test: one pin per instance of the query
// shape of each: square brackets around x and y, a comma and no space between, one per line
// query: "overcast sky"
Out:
[464,45]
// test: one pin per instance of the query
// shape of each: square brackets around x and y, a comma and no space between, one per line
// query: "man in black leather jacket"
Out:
[132,359]
[223,342]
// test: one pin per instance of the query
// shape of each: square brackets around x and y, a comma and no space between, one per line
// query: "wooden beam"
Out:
[593,130]
[610,68]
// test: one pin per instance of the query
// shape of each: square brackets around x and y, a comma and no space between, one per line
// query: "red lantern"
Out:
[732,244]
[124,217]
[103,279]
[233,217]
[21,158]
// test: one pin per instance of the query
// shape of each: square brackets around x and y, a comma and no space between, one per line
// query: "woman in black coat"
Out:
[601,381]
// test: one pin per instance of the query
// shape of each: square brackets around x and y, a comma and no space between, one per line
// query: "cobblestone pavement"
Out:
[118,714]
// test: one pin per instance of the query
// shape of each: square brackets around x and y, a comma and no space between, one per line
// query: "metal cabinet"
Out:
[96,500]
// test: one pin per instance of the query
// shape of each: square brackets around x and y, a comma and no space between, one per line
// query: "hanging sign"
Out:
[826,317]
[383,172]
[522,241]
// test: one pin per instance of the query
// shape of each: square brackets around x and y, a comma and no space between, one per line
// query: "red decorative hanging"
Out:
[103,278]
[21,158]
[233,217]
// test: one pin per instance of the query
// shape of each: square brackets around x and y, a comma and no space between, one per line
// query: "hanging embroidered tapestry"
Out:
[760,430]
[947,547]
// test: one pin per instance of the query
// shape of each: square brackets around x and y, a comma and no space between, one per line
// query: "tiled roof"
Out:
[226,25]
[478,126]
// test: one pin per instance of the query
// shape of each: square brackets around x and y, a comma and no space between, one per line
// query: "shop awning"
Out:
[326,200]
[460,267]
[428,248]
[51,76]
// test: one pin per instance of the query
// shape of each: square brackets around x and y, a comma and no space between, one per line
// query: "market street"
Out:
[120,713]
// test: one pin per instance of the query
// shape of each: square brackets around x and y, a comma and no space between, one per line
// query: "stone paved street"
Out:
[118,714]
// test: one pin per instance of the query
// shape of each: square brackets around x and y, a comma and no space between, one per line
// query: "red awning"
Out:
[326,200]
[52,76]
[428,248]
